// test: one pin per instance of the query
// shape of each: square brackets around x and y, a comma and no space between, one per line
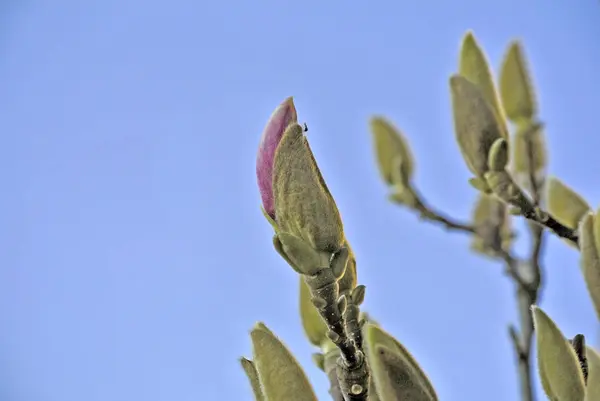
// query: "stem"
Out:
[528,289]
[526,274]
[544,219]
[530,208]
[352,370]
[428,213]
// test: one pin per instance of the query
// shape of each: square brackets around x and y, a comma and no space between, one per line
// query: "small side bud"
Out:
[333,336]
[498,157]
[339,263]
[358,295]
[302,256]
[319,302]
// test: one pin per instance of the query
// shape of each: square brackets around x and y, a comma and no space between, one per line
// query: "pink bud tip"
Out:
[282,117]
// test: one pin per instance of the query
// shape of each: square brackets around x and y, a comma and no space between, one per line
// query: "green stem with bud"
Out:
[337,310]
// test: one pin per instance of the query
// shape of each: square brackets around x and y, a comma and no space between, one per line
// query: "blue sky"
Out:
[134,258]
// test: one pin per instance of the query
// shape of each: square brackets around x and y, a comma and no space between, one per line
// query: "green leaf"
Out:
[474,66]
[392,152]
[300,255]
[564,204]
[401,385]
[304,206]
[314,326]
[396,374]
[280,375]
[516,89]
[589,244]
[252,374]
[593,382]
[475,126]
[558,365]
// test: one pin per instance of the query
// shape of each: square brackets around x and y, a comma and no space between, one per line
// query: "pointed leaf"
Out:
[392,150]
[303,204]
[314,326]
[474,66]
[516,88]
[475,125]
[564,204]
[281,376]
[252,374]
[561,376]
[593,382]
[395,372]
[590,258]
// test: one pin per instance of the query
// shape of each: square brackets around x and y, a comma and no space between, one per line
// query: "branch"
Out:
[416,202]
[505,188]
[528,288]
[544,219]
[352,370]
[526,274]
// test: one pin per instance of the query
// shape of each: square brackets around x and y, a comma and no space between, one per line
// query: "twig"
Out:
[513,267]
[544,219]
[428,213]
[527,292]
[527,295]
[526,274]
[352,369]
[505,188]
[529,285]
